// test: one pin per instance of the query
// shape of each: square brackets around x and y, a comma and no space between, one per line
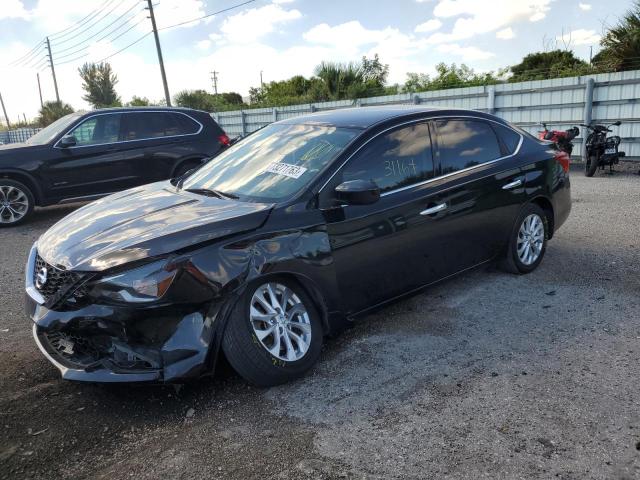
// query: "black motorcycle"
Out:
[600,149]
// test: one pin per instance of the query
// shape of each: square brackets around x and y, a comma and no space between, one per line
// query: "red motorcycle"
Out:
[562,138]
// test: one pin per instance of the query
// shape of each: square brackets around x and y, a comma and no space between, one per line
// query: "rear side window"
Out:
[393,160]
[509,138]
[465,143]
[147,125]
[98,130]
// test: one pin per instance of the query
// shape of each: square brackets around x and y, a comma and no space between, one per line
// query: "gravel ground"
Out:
[485,376]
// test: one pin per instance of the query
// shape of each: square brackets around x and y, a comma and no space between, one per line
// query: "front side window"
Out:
[273,163]
[394,160]
[98,130]
[465,143]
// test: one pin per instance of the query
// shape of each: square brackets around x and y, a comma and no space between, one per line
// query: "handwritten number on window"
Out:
[399,167]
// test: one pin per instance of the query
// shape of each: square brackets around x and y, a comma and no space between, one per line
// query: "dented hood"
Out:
[144,222]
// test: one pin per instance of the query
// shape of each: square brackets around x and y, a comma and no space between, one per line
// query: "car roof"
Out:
[365,117]
[143,109]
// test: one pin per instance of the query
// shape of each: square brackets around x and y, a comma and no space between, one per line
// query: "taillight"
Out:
[563,159]
[224,140]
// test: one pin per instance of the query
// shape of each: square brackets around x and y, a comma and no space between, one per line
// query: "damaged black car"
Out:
[284,239]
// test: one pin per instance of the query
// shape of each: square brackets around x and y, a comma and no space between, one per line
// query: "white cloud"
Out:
[252,24]
[428,26]
[585,6]
[467,53]
[475,17]
[579,37]
[203,44]
[13,9]
[505,34]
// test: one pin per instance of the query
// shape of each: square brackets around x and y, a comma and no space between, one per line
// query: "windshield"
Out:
[273,163]
[52,131]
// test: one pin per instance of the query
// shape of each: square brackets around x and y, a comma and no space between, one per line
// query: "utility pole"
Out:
[4,110]
[214,79]
[590,54]
[261,82]
[40,90]
[53,71]
[160,61]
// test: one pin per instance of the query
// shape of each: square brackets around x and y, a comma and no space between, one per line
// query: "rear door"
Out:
[479,186]
[93,166]
[156,141]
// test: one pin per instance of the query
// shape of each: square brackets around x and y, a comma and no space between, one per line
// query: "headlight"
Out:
[143,284]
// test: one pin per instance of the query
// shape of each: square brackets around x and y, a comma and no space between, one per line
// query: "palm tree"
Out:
[339,78]
[621,44]
[52,111]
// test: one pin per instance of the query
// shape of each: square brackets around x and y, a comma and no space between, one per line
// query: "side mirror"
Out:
[68,141]
[618,123]
[358,192]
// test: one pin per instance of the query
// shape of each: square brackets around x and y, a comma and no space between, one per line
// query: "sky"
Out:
[281,38]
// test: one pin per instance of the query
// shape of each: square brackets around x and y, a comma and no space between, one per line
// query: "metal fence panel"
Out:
[560,102]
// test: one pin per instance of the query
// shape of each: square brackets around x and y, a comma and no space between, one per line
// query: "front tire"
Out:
[16,202]
[528,241]
[274,334]
[591,165]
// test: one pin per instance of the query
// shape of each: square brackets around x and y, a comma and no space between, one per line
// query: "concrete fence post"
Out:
[275,114]
[587,115]
[415,98]
[491,100]
[243,123]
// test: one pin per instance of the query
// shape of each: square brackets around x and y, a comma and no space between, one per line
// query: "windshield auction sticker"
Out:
[286,169]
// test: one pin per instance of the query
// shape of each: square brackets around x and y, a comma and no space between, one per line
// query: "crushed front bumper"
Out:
[122,343]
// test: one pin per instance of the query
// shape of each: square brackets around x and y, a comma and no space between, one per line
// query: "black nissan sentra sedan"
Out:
[285,238]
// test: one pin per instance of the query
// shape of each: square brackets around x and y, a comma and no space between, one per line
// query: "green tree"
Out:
[621,44]
[99,82]
[203,100]
[544,65]
[52,111]
[139,102]
[449,76]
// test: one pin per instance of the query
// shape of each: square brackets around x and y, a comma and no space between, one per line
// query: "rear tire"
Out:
[528,241]
[16,202]
[269,343]
[591,165]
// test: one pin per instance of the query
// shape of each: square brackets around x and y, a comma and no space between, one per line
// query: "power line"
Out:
[28,54]
[89,39]
[233,7]
[93,24]
[82,21]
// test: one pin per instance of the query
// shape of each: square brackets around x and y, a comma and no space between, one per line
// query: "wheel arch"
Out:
[547,207]
[27,180]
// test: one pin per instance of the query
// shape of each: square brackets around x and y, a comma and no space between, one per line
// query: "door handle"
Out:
[436,209]
[513,184]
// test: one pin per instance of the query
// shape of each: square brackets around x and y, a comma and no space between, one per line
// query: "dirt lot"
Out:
[486,376]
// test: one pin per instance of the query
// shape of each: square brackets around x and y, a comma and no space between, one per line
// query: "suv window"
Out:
[465,143]
[98,130]
[143,125]
[395,159]
[509,138]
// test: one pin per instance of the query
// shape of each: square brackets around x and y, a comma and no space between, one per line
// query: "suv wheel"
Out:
[16,202]
[274,334]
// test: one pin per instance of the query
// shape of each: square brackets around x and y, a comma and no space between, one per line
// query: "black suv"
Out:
[84,156]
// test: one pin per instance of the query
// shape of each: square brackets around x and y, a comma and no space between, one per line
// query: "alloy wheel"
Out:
[14,204]
[280,321]
[530,239]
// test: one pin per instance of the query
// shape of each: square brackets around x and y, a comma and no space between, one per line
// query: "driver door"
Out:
[390,247]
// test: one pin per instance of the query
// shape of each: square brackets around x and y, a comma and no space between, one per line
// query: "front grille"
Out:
[51,281]
[75,351]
